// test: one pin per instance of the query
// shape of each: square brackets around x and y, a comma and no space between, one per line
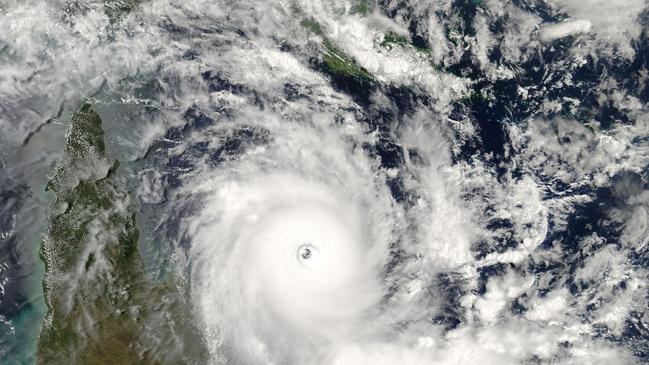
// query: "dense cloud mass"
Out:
[335,182]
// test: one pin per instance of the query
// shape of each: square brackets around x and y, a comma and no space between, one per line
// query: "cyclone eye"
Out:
[305,252]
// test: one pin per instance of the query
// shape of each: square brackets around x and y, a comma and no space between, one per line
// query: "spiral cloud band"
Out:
[394,182]
[289,263]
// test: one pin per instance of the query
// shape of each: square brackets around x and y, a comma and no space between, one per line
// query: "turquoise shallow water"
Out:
[19,345]
[28,164]
[22,347]
[485,161]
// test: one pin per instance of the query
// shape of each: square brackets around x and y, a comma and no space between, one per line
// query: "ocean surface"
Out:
[339,182]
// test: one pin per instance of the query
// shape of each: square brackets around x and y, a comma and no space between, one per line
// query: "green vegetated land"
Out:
[96,290]
[115,10]
[362,7]
[338,62]
[392,39]
[335,61]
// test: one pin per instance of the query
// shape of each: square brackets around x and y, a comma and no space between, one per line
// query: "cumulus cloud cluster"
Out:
[317,228]
[614,23]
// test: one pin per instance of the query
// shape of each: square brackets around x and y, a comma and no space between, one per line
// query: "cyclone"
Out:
[287,262]
[301,263]
[344,182]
